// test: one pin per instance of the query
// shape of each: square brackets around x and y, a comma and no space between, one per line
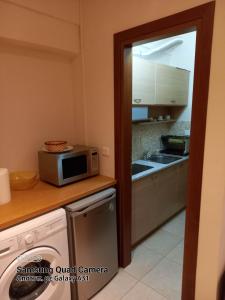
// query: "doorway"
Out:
[200,19]
[162,84]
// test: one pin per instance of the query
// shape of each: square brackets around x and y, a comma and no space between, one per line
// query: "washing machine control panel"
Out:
[28,239]
[50,229]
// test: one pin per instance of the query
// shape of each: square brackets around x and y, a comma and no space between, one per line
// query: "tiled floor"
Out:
[155,272]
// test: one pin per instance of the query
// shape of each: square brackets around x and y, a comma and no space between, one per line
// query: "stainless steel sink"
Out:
[163,159]
[138,168]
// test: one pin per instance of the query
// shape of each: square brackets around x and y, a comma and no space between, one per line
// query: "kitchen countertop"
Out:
[44,197]
[156,167]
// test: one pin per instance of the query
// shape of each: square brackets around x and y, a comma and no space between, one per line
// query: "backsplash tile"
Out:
[178,128]
[146,137]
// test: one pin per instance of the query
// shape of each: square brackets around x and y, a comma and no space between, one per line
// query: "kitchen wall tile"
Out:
[178,128]
[136,143]
[146,137]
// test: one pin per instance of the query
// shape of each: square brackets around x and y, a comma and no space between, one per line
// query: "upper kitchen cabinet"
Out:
[157,84]
[143,81]
[171,85]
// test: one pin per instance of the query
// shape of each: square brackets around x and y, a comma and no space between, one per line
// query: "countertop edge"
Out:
[157,167]
[52,206]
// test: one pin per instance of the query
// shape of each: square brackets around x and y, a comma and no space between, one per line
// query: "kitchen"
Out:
[162,90]
[46,104]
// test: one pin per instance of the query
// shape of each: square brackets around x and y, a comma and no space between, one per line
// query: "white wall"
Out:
[40,90]
[66,10]
[181,56]
[26,26]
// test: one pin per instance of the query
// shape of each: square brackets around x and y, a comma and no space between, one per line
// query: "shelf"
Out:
[154,122]
[37,31]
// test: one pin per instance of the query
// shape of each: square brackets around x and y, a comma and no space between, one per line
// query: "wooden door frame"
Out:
[201,19]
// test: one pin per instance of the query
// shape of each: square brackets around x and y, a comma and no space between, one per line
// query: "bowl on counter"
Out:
[55,146]
[22,180]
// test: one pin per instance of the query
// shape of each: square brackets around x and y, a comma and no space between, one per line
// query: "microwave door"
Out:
[74,168]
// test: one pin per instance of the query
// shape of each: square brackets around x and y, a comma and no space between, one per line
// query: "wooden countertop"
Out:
[44,197]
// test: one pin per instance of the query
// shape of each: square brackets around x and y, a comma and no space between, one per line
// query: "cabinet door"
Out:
[143,81]
[144,207]
[167,193]
[182,183]
[172,85]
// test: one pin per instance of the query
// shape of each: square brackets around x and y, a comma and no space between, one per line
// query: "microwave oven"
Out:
[67,167]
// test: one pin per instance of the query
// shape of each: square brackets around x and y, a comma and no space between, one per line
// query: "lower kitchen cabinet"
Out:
[144,207]
[157,197]
[182,182]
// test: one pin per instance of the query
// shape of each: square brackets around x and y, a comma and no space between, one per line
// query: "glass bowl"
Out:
[23,180]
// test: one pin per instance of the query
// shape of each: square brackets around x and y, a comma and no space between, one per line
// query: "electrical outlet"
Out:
[105,151]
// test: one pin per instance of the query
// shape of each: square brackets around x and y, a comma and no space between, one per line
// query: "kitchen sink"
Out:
[163,159]
[138,168]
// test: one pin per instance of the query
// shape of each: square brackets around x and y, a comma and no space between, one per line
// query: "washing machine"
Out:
[30,254]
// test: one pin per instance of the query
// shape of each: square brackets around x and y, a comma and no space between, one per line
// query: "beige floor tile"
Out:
[143,260]
[162,275]
[142,292]
[182,215]
[166,279]
[162,242]
[177,254]
[176,225]
[117,287]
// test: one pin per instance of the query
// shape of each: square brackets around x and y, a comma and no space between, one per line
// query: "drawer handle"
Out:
[173,101]
[86,209]
[137,101]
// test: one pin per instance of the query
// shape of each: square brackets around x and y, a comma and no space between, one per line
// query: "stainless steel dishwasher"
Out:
[92,232]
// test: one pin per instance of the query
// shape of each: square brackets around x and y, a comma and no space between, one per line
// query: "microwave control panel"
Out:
[94,161]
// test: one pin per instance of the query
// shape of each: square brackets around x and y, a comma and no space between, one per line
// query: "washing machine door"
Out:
[42,289]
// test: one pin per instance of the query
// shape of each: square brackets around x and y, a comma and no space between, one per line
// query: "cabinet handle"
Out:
[137,100]
[173,101]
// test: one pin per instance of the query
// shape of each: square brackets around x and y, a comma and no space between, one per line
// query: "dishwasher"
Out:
[92,235]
